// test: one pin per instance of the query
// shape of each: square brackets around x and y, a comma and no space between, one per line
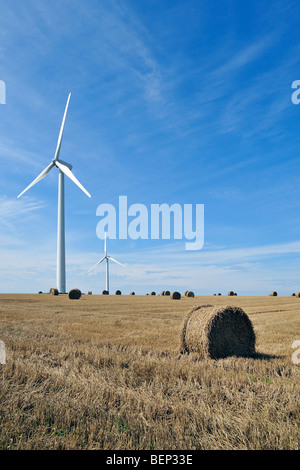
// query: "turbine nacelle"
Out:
[64,163]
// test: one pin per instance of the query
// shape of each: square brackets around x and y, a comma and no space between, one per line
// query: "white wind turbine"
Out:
[64,169]
[107,258]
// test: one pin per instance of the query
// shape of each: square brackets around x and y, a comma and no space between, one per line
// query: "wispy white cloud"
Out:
[13,212]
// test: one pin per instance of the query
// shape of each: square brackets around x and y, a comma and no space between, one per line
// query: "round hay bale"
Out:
[185,292]
[175,295]
[219,293]
[293,294]
[273,294]
[118,292]
[216,332]
[74,294]
[53,291]
[167,292]
[89,292]
[162,292]
[152,293]
[40,292]
[132,293]
[230,292]
[190,294]
[298,294]
[105,292]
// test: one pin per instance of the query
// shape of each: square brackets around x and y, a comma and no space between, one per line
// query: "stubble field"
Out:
[105,372]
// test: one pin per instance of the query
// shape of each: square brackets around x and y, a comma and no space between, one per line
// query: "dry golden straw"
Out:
[53,291]
[217,332]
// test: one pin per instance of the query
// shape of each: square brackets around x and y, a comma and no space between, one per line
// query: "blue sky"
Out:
[172,101]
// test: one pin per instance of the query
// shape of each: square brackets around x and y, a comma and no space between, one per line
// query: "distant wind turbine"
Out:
[64,169]
[107,258]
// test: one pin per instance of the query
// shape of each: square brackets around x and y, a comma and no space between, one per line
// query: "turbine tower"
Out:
[64,169]
[107,258]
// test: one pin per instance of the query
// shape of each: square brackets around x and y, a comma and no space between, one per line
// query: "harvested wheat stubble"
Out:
[105,292]
[273,294]
[74,294]
[53,291]
[175,295]
[118,292]
[217,332]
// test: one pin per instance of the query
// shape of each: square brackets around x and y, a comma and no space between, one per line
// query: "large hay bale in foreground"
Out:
[273,294]
[74,294]
[216,332]
[175,295]
[53,291]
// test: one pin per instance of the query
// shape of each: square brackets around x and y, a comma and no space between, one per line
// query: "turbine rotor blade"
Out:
[38,178]
[102,259]
[57,151]
[70,175]
[109,257]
